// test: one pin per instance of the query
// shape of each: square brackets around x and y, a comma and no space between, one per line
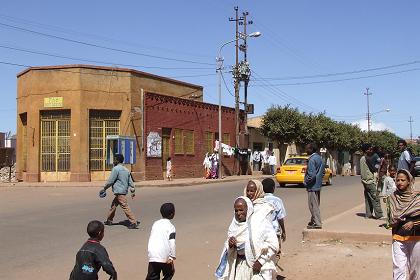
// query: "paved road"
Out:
[41,229]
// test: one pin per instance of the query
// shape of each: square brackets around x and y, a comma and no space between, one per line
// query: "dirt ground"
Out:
[336,260]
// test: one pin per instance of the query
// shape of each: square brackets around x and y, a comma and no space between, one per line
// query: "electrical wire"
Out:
[226,86]
[345,79]
[100,61]
[100,46]
[346,72]
[89,35]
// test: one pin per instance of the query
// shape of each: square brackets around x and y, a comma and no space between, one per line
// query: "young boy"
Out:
[161,248]
[279,212]
[389,183]
[92,256]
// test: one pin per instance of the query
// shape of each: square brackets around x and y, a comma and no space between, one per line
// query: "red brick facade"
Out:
[170,113]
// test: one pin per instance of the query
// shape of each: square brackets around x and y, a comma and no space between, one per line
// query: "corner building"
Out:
[65,113]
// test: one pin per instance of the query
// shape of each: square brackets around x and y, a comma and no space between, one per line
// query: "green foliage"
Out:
[287,124]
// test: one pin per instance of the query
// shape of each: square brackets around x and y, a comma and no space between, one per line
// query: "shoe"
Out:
[108,223]
[311,224]
[132,226]
[314,227]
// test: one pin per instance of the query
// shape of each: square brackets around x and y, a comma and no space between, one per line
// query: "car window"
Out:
[296,161]
[417,158]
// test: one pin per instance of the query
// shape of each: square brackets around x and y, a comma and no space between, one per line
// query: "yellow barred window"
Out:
[189,142]
[226,139]
[179,149]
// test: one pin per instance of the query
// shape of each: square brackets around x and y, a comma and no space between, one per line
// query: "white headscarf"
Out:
[239,229]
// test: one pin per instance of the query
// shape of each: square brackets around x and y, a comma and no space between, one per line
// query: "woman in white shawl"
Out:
[250,248]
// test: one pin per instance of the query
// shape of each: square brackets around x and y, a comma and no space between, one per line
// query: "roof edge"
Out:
[107,68]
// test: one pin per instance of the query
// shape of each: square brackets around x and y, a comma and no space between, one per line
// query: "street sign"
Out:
[250,108]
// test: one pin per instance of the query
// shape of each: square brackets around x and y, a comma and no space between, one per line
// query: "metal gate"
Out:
[55,146]
[101,124]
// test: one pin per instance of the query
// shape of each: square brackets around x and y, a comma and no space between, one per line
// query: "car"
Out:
[293,171]
[417,166]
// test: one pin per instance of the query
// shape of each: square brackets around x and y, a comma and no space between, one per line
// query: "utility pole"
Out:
[367,93]
[411,128]
[245,73]
[237,19]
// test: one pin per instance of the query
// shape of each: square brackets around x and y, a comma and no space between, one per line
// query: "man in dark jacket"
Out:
[92,256]
[313,181]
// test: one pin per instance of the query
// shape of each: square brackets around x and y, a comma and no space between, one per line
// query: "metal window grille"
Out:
[208,142]
[188,142]
[101,124]
[179,149]
[55,141]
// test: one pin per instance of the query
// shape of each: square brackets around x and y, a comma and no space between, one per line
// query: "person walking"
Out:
[313,182]
[256,159]
[251,245]
[169,169]
[161,247]
[405,222]
[120,180]
[272,161]
[372,203]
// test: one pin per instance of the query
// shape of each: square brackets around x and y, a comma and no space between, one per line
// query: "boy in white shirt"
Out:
[161,248]
[389,183]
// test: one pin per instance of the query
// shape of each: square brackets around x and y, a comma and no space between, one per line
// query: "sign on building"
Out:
[154,145]
[53,102]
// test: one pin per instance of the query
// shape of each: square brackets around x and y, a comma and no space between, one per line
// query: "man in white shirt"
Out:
[272,161]
[161,248]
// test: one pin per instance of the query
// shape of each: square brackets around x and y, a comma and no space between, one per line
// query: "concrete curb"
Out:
[328,235]
[141,184]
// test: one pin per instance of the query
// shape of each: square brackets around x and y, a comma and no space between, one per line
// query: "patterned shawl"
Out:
[404,203]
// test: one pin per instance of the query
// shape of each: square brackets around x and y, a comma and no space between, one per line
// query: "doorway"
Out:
[166,151]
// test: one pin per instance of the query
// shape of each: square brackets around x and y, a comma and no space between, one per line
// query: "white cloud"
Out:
[375,126]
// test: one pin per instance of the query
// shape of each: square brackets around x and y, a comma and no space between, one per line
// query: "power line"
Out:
[100,46]
[284,95]
[100,61]
[226,86]
[346,72]
[346,79]
[103,38]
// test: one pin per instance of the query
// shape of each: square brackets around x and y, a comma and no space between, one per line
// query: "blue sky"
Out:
[299,38]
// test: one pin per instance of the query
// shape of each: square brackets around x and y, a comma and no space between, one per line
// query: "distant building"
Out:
[65,114]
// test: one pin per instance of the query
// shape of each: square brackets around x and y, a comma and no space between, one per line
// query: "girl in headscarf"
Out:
[250,247]
[255,192]
[404,218]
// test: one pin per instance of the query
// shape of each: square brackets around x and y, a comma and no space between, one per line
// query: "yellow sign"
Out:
[53,102]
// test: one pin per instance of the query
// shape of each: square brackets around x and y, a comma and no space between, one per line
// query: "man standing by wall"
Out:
[373,206]
[313,182]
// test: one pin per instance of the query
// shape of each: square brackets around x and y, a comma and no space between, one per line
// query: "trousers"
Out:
[121,200]
[314,200]
[372,203]
[155,268]
[406,260]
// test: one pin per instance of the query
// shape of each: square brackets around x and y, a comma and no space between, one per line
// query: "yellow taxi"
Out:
[293,171]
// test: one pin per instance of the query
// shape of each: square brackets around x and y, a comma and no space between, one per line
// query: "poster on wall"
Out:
[154,145]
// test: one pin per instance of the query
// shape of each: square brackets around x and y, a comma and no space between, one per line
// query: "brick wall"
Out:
[171,112]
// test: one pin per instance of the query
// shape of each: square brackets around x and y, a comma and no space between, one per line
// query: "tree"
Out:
[282,124]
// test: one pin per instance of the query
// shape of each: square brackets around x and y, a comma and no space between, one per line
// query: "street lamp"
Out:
[387,110]
[219,60]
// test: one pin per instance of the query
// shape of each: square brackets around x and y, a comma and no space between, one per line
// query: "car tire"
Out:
[282,185]
[329,181]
